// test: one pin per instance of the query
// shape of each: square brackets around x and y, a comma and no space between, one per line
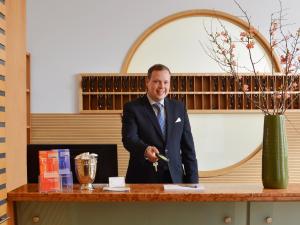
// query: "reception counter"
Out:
[240,204]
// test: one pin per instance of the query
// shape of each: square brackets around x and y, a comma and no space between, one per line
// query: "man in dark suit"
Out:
[155,124]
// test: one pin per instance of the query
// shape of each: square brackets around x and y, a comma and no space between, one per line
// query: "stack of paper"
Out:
[55,170]
[49,171]
[116,184]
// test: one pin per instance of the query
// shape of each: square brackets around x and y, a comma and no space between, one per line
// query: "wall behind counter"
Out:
[106,129]
[67,37]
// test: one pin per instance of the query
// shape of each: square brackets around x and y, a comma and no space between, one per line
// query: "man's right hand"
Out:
[150,154]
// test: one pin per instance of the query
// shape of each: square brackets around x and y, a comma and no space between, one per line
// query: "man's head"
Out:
[158,82]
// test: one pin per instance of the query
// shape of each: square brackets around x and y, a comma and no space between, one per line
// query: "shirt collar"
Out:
[162,102]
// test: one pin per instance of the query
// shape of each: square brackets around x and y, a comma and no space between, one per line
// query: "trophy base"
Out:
[86,187]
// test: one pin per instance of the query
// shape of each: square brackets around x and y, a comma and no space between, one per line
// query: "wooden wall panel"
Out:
[2,23]
[15,95]
[2,147]
[106,128]
[3,115]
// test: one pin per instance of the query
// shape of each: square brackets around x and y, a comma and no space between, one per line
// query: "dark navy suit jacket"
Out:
[141,129]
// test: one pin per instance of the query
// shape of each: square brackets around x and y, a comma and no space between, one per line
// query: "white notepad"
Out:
[178,187]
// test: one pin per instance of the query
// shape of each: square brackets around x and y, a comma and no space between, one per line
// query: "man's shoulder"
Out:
[138,101]
[175,103]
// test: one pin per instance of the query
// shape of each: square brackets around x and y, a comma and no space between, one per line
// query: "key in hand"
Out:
[155,164]
[162,157]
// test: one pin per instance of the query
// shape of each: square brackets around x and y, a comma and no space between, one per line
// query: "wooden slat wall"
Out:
[79,128]
[106,129]
[3,211]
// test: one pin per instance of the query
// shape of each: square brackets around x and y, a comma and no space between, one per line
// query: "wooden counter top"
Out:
[154,192]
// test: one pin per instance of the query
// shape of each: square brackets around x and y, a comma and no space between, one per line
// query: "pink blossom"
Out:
[250,45]
[243,34]
[274,43]
[294,84]
[287,95]
[274,26]
[283,59]
[276,92]
[286,58]
[223,33]
[245,87]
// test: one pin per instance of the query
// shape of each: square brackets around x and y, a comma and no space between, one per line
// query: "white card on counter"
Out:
[116,182]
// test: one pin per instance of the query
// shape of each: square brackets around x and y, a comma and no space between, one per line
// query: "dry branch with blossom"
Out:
[276,99]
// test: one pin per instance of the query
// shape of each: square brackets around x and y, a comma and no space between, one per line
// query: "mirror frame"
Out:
[200,13]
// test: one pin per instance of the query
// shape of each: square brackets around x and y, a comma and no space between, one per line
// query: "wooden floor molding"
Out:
[106,129]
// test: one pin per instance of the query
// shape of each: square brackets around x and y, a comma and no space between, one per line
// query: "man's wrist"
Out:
[145,152]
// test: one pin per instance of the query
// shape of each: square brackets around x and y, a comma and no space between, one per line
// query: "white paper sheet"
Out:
[118,189]
[176,187]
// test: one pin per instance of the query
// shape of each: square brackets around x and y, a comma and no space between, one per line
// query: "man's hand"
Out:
[150,153]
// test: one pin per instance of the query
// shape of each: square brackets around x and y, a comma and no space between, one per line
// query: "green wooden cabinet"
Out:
[275,213]
[158,213]
[139,213]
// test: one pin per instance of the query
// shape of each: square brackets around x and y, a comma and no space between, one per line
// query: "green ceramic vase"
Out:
[275,153]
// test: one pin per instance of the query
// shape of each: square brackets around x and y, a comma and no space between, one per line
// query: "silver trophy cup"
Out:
[86,171]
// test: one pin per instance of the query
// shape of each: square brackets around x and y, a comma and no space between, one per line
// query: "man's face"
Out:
[158,85]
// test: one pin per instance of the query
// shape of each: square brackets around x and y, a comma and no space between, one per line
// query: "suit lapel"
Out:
[169,119]
[151,116]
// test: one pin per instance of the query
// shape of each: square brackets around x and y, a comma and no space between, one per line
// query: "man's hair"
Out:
[157,67]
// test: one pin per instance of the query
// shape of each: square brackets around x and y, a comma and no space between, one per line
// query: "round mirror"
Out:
[223,140]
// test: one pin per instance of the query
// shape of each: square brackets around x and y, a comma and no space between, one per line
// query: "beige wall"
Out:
[16,94]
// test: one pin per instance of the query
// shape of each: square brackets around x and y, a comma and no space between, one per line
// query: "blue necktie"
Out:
[161,117]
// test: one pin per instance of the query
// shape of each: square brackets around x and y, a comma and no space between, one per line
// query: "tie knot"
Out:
[158,106]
